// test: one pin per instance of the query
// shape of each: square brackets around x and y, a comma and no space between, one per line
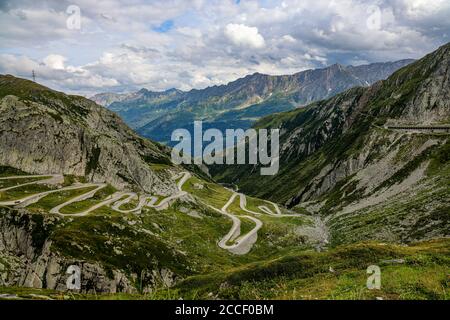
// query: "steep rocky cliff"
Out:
[47,132]
[34,254]
[43,131]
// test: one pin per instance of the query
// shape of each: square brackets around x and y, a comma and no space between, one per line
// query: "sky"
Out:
[86,47]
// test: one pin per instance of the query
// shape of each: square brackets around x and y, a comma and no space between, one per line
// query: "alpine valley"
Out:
[363,180]
[240,103]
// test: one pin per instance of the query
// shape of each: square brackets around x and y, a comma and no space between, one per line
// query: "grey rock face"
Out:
[26,262]
[43,132]
[105,99]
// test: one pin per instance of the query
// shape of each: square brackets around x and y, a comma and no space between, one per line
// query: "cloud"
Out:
[55,61]
[52,71]
[125,45]
[241,35]
[288,38]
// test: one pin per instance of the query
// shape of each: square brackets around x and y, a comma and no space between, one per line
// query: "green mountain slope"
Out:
[417,272]
[79,187]
[342,159]
[139,227]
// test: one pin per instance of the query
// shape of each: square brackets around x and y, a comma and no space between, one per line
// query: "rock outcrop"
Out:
[44,131]
[29,259]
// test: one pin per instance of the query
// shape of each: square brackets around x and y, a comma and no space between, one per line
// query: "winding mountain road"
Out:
[233,241]
[149,201]
[26,201]
[240,244]
[51,179]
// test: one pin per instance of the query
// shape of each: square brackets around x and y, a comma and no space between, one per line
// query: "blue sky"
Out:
[126,45]
[164,27]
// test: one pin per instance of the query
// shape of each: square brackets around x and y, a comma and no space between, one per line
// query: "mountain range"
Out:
[363,181]
[239,103]
[364,158]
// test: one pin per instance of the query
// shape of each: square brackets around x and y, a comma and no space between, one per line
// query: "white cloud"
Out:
[242,35]
[211,42]
[288,38]
[55,61]
[52,72]
[422,8]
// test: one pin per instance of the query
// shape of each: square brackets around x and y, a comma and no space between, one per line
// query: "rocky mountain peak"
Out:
[43,131]
[143,91]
